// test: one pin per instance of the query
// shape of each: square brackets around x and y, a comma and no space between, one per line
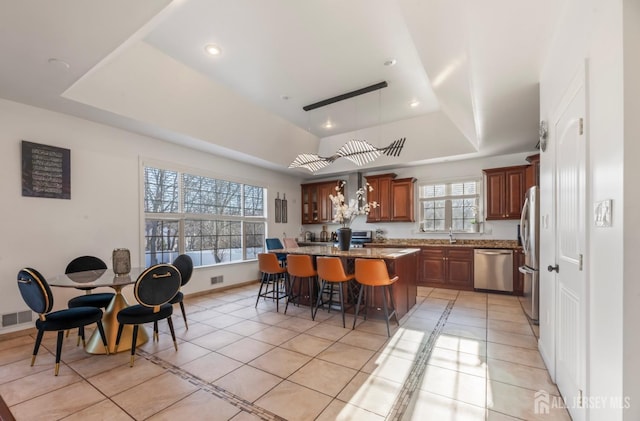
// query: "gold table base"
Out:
[110,323]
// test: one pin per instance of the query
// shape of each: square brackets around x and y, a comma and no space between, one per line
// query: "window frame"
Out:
[181,216]
[448,198]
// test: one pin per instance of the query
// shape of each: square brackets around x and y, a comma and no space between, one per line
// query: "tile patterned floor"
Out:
[456,356]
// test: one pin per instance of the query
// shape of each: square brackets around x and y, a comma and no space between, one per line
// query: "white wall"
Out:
[594,30]
[105,207]
[631,339]
[453,170]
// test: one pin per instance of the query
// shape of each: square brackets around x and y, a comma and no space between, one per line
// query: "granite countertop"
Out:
[367,253]
[419,242]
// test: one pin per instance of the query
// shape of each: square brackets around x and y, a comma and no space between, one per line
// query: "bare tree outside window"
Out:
[160,197]
[212,215]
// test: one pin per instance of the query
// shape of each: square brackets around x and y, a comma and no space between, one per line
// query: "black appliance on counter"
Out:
[359,238]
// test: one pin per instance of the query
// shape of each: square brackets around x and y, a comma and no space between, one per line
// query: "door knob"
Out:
[552,268]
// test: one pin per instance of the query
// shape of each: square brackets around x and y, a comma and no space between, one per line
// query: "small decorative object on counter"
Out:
[324,235]
[121,261]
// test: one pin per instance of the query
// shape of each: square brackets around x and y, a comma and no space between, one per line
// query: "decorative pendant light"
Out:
[360,152]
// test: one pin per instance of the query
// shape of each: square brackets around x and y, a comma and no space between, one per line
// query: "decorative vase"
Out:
[344,238]
[121,261]
[475,227]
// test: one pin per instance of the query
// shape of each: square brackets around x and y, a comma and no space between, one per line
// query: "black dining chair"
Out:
[276,244]
[154,289]
[37,294]
[99,300]
[82,264]
[184,264]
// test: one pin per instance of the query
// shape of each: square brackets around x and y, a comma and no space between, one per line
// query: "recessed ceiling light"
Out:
[284,97]
[328,124]
[391,62]
[212,49]
[414,103]
[57,62]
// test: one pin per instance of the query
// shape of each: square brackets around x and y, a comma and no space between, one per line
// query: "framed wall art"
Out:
[46,171]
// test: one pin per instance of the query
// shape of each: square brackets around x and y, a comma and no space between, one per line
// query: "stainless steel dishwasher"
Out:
[493,269]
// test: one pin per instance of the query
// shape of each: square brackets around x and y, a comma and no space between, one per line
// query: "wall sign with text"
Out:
[46,171]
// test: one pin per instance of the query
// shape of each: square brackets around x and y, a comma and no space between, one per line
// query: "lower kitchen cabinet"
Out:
[447,267]
[518,278]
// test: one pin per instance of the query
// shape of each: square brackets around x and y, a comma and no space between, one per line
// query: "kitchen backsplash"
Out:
[493,230]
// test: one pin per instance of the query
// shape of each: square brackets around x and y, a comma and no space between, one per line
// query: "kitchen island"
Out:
[400,261]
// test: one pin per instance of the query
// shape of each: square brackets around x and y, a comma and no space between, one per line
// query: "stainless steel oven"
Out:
[359,238]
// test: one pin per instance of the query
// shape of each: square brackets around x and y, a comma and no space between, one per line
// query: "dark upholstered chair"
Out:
[276,244]
[37,294]
[154,289]
[184,264]
[99,300]
[82,264]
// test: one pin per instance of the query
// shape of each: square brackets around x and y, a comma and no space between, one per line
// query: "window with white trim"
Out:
[212,220]
[449,205]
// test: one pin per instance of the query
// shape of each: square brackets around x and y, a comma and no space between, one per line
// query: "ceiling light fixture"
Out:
[360,152]
[57,62]
[213,49]
[390,62]
[328,124]
[414,103]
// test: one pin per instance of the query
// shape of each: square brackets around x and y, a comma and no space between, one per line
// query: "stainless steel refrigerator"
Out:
[530,234]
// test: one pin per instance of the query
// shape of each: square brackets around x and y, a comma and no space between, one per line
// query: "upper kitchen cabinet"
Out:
[402,194]
[316,205]
[395,198]
[532,174]
[381,194]
[505,192]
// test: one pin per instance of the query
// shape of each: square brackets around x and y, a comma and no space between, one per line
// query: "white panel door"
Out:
[570,151]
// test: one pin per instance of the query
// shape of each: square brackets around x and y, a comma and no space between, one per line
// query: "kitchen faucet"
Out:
[451,239]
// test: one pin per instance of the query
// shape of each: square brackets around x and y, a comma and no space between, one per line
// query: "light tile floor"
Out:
[455,356]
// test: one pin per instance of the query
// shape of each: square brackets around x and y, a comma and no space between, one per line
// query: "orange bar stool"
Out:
[300,266]
[373,273]
[274,278]
[331,271]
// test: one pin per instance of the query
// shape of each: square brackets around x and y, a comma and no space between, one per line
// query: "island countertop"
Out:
[365,253]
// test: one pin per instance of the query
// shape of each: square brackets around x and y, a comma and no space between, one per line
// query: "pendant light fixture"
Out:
[360,152]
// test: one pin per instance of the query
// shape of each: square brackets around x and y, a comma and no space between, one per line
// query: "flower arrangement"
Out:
[346,213]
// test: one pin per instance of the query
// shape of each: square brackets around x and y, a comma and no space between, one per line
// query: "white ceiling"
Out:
[474,67]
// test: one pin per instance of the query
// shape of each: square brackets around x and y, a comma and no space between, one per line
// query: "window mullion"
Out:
[448,214]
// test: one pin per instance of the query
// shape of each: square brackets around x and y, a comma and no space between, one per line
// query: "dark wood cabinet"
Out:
[505,190]
[402,193]
[381,193]
[518,278]
[532,173]
[395,198]
[447,267]
[316,205]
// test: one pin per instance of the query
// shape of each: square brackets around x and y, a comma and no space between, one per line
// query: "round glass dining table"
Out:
[106,278]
